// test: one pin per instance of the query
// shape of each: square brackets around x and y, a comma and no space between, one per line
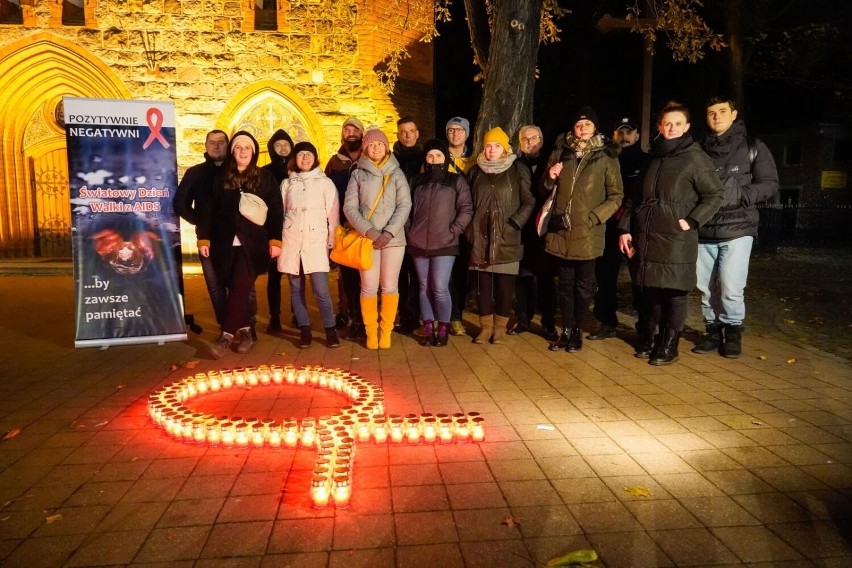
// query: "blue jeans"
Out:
[433,272]
[722,271]
[319,285]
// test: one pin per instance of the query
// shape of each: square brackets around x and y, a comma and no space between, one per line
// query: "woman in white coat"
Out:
[311,215]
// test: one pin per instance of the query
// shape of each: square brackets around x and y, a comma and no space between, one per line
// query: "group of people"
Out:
[443,221]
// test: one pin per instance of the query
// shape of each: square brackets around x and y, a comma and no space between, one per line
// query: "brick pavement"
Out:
[748,462]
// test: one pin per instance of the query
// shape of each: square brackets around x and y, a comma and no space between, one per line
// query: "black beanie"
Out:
[586,113]
[303,147]
[436,144]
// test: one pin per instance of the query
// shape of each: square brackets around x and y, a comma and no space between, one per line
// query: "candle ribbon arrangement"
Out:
[334,437]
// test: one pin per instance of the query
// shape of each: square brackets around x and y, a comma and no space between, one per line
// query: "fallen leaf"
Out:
[104,423]
[173,367]
[191,364]
[53,518]
[511,522]
[756,423]
[6,518]
[10,434]
[119,387]
[136,459]
[6,504]
[762,357]
[791,360]
[282,354]
[575,558]
[789,322]
[638,491]
[545,427]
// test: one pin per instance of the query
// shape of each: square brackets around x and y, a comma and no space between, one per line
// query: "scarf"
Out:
[662,147]
[497,166]
[582,147]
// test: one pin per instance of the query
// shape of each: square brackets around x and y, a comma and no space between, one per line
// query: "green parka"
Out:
[591,190]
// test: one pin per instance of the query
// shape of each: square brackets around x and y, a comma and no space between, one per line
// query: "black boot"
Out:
[563,341]
[443,333]
[253,331]
[605,332]
[331,339]
[732,346]
[305,337]
[274,325]
[710,341]
[666,353]
[646,345]
[576,342]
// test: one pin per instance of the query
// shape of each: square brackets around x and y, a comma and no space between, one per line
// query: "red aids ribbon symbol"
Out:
[333,437]
[154,118]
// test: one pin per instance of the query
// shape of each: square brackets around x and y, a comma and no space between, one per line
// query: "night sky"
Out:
[605,70]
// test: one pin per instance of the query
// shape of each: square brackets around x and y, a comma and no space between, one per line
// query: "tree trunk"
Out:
[509,71]
[735,44]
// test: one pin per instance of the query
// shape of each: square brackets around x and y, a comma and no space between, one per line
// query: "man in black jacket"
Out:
[196,186]
[409,154]
[748,172]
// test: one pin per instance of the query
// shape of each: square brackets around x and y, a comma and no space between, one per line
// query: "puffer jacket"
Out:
[502,204]
[310,218]
[393,208]
[746,184]
[441,209]
[591,191]
[679,182]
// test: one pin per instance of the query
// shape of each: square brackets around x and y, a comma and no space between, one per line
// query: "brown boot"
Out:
[500,323]
[486,329]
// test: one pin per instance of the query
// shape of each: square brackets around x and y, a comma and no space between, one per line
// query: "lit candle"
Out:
[277,374]
[274,435]
[462,430]
[477,430]
[251,376]
[380,431]
[319,491]
[264,374]
[213,437]
[396,428]
[342,491]
[241,436]
[291,434]
[308,432]
[445,430]
[364,424]
[240,376]
[201,383]
[215,380]
[430,433]
[412,428]
[301,377]
[199,432]
[290,374]
[227,379]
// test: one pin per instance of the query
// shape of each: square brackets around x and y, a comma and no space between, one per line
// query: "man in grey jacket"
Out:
[748,173]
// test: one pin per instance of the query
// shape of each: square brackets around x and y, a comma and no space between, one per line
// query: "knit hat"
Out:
[586,113]
[436,144]
[352,121]
[303,147]
[496,135]
[373,134]
[244,136]
[463,122]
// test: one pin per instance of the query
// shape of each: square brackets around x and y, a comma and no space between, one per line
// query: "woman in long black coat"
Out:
[240,249]
[679,192]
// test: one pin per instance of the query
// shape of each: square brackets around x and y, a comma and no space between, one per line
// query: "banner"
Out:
[122,170]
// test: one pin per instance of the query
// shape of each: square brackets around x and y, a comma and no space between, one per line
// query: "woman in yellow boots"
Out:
[378,184]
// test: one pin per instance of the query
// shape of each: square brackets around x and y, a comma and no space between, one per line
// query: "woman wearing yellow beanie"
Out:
[502,203]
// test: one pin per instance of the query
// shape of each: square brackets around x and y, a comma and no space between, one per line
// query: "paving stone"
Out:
[176,543]
[237,539]
[302,535]
[425,528]
[756,544]
[693,547]
[363,531]
[444,555]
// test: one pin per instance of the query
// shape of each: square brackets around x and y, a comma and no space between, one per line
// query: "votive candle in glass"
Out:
[342,491]
[319,491]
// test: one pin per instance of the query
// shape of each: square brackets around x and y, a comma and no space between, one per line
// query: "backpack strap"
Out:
[751,141]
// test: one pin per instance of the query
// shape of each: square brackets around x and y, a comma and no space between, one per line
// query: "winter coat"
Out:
[533,244]
[441,209]
[338,169]
[410,160]
[502,204]
[681,184]
[220,221]
[591,191]
[393,208]
[746,184]
[310,218]
[195,186]
[277,165]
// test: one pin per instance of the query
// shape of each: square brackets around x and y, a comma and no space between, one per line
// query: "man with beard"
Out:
[339,168]
[409,154]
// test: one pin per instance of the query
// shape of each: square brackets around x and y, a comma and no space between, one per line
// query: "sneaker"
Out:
[244,340]
[305,337]
[331,339]
[457,328]
[222,345]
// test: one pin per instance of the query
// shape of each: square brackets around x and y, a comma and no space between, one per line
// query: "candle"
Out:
[199,432]
[251,376]
[308,432]
[430,433]
[342,491]
[396,424]
[201,383]
[477,431]
[319,491]
[227,379]
[215,380]
[445,430]
[264,374]
[462,430]
[240,434]
[227,429]
[412,428]
[291,433]
[277,374]
[213,434]
[380,432]
[274,435]
[301,377]
[240,376]
[290,374]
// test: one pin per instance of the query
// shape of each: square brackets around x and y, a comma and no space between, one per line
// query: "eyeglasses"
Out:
[454,130]
[532,138]
[305,154]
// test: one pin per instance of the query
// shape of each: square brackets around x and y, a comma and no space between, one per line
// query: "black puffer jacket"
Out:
[502,204]
[746,184]
[678,183]
[441,209]
[195,186]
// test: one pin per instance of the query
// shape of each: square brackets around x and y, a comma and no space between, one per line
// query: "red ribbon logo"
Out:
[154,118]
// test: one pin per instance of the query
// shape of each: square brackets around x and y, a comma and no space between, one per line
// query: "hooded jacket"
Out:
[310,218]
[746,184]
[393,207]
[277,165]
[220,221]
[679,182]
[441,209]
[590,190]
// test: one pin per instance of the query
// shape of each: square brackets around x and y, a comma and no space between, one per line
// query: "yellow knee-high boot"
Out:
[389,305]
[370,313]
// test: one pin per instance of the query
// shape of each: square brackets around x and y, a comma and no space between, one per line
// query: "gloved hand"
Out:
[382,241]
[558,223]
[373,234]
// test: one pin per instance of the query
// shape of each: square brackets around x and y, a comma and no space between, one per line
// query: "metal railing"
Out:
[804,225]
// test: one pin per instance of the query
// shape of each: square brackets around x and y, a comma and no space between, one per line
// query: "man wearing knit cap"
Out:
[339,168]
[460,161]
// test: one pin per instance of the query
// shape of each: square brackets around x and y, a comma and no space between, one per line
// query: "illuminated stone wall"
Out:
[312,73]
